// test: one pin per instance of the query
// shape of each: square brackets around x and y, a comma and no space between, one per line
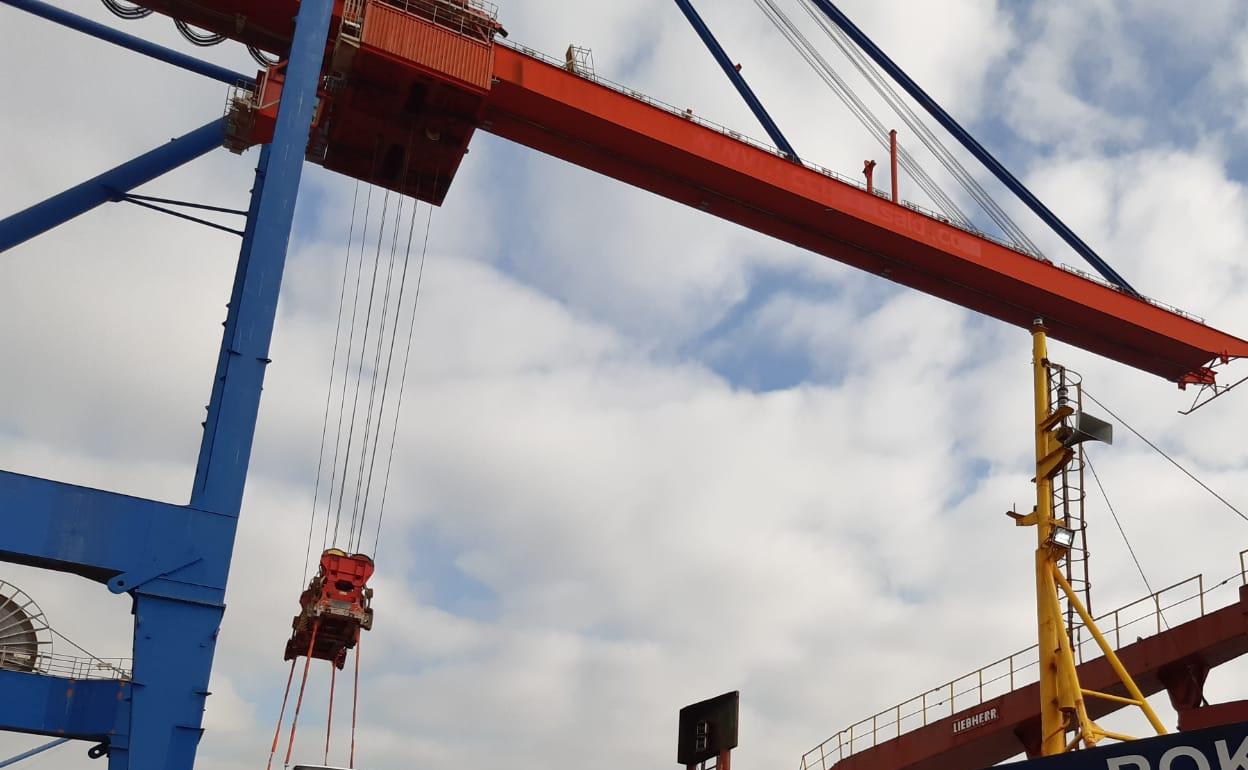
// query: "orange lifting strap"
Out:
[333,609]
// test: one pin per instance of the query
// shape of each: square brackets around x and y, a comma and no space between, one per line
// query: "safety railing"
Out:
[84,667]
[1178,603]
[689,115]
[475,18]
[1155,302]
[480,7]
[352,19]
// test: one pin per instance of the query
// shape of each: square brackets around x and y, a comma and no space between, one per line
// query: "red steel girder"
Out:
[559,113]
[404,99]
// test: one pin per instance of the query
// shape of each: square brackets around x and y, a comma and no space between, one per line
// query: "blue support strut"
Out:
[730,70]
[969,142]
[36,750]
[137,44]
[60,707]
[61,208]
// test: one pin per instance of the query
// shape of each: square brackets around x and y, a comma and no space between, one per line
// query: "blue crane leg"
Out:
[137,44]
[173,560]
[175,635]
[61,208]
[230,426]
[730,70]
[971,144]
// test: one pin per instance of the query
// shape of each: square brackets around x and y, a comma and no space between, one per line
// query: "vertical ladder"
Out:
[1066,389]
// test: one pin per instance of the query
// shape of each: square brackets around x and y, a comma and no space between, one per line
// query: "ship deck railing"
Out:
[1178,603]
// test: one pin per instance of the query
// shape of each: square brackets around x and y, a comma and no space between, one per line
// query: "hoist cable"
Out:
[860,110]
[329,390]
[376,374]
[346,368]
[420,275]
[346,365]
[359,376]
[398,406]
[385,385]
[381,331]
[1173,462]
[1131,549]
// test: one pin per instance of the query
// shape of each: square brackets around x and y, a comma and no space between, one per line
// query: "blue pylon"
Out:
[172,559]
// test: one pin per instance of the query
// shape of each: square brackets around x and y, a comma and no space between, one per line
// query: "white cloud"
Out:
[588,525]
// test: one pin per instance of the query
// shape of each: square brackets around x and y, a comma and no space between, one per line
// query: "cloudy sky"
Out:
[645,456]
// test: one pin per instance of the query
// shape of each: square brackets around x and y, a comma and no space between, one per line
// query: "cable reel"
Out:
[25,637]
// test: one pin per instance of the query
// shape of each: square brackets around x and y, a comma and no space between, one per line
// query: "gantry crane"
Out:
[391,92]
[412,80]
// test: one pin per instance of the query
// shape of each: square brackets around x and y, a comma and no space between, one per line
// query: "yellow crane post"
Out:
[1062,708]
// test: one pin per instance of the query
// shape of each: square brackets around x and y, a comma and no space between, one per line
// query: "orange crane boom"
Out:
[557,112]
[413,80]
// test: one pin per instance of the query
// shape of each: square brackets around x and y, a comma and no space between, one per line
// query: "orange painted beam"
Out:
[562,114]
[406,116]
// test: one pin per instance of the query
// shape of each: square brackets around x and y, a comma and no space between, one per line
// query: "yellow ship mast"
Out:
[1062,710]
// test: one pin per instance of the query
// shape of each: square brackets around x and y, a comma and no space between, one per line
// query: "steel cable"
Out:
[329,390]
[1173,462]
[359,377]
[922,179]
[859,109]
[923,132]
[376,375]
[420,275]
[915,123]
[1087,458]
[346,366]
[385,385]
